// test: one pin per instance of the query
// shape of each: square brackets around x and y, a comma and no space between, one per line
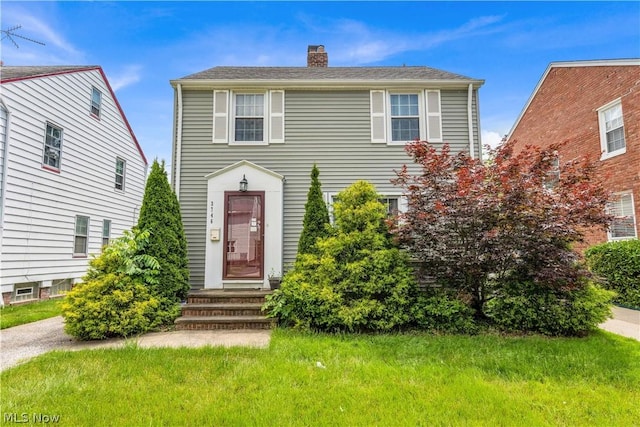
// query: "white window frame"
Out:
[96,106]
[329,199]
[56,151]
[123,174]
[606,154]
[420,116]
[60,287]
[32,293]
[618,199]
[76,235]
[106,236]
[234,116]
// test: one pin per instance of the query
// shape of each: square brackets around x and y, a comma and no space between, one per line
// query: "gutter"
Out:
[178,131]
[470,119]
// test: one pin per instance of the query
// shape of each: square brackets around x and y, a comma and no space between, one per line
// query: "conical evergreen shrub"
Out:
[316,216]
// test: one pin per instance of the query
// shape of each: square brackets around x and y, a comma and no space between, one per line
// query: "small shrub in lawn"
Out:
[618,265]
[355,280]
[531,308]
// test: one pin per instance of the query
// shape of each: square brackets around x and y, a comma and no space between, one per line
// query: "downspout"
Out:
[178,158]
[470,119]
[5,166]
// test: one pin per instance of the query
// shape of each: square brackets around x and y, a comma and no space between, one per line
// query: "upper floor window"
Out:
[52,146]
[120,166]
[96,101]
[81,236]
[611,129]
[624,223]
[249,117]
[405,117]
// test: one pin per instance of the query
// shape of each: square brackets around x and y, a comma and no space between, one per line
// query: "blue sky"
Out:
[143,45]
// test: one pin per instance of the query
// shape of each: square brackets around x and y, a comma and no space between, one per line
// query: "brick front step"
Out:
[231,297]
[193,323]
[222,309]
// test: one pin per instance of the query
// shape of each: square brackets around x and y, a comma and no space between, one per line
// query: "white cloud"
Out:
[130,75]
[491,138]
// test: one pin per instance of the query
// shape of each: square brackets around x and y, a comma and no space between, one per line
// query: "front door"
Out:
[243,235]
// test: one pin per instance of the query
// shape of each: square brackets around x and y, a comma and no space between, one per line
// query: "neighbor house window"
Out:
[611,129]
[106,231]
[96,101]
[624,223]
[249,117]
[25,291]
[553,174]
[81,236]
[405,117]
[52,146]
[60,287]
[120,166]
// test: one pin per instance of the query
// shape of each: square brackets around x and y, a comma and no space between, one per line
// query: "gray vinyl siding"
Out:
[329,128]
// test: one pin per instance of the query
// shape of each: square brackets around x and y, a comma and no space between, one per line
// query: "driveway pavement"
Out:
[23,342]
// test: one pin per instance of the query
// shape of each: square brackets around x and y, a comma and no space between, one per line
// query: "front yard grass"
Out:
[14,315]
[340,380]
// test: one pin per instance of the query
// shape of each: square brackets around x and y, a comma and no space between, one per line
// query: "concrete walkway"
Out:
[625,322]
[23,342]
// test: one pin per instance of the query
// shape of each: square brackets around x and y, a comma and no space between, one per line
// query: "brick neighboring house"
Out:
[593,106]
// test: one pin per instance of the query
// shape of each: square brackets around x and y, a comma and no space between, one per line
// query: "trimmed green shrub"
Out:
[114,298]
[356,280]
[440,313]
[114,305]
[160,214]
[528,307]
[618,266]
[316,216]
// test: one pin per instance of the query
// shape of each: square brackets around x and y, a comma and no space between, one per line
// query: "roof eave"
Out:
[321,84]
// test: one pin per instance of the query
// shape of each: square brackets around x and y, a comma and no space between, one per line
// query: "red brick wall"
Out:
[565,110]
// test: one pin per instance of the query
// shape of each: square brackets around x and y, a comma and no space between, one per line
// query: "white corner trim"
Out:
[470,120]
[178,159]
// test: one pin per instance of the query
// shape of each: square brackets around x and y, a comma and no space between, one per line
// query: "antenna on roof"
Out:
[11,33]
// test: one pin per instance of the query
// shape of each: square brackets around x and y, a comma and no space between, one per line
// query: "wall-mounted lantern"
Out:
[244,184]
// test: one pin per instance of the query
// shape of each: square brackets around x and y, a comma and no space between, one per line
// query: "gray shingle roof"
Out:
[24,72]
[326,74]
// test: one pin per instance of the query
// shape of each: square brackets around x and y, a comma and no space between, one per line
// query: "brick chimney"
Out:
[317,57]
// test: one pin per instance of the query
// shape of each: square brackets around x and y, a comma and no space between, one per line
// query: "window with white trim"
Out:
[106,231]
[248,118]
[96,101]
[52,146]
[120,167]
[60,287]
[25,291]
[611,129]
[405,117]
[624,223]
[393,203]
[400,117]
[81,236]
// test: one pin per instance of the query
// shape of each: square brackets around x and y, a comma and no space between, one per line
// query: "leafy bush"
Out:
[356,280]
[440,313]
[618,264]
[532,308]
[114,298]
[113,305]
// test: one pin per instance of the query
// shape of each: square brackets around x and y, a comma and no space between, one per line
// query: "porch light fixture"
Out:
[244,184]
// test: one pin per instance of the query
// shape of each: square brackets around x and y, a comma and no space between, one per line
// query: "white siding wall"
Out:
[41,205]
[3,143]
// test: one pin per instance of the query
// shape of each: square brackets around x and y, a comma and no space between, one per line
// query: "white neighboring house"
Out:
[72,176]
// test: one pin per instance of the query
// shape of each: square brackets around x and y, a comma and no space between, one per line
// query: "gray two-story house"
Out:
[245,140]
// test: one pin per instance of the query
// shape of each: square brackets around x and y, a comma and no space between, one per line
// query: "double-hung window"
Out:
[52,147]
[106,231]
[96,101]
[120,166]
[405,117]
[624,222]
[81,236]
[611,129]
[249,117]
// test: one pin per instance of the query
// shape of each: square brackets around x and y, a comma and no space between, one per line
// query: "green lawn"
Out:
[387,380]
[15,315]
